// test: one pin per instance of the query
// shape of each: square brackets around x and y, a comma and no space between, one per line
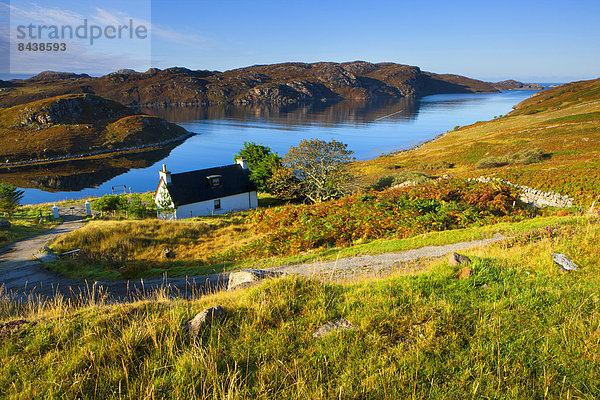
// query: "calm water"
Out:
[369,129]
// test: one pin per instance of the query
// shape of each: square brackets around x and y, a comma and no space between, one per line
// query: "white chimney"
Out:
[242,162]
[164,174]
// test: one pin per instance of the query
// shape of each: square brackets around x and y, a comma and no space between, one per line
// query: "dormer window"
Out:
[214,180]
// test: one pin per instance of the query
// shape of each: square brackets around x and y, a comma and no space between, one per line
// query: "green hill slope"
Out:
[550,142]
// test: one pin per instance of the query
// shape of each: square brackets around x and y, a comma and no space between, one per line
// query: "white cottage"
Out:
[208,191]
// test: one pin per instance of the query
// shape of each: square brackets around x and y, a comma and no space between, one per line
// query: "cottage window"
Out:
[218,204]
[214,180]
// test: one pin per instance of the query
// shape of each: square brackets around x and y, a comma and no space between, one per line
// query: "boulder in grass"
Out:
[249,277]
[456,259]
[564,262]
[204,319]
[340,324]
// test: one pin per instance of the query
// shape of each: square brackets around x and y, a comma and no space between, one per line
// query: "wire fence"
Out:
[42,215]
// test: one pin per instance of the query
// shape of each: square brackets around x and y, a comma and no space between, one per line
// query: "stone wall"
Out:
[535,197]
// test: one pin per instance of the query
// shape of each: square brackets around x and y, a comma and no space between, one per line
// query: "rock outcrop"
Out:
[249,277]
[340,324]
[564,262]
[204,319]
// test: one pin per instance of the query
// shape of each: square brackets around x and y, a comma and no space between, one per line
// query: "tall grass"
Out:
[517,328]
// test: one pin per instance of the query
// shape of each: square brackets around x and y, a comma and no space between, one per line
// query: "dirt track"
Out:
[23,276]
[380,263]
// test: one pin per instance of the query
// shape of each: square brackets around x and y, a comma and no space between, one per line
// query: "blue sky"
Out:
[549,41]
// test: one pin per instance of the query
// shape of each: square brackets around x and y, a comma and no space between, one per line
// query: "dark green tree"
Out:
[261,162]
[137,207]
[321,169]
[10,197]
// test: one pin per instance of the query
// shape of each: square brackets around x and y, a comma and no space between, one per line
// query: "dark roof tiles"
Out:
[194,186]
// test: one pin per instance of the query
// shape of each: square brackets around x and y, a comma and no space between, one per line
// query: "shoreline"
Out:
[95,153]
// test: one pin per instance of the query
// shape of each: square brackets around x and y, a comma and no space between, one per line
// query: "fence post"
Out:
[55,212]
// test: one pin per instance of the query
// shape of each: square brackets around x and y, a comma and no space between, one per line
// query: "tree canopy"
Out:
[261,162]
[10,197]
[320,168]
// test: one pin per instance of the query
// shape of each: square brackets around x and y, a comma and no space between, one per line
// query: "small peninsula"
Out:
[77,125]
[516,85]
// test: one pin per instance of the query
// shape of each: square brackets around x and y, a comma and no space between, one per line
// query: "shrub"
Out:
[525,157]
[397,213]
[10,197]
[399,178]
[522,157]
[491,162]
[138,208]
[436,165]
[110,202]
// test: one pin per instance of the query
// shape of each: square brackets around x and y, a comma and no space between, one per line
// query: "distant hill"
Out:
[515,85]
[277,83]
[75,124]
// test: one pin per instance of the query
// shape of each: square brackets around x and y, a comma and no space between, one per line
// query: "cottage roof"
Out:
[195,186]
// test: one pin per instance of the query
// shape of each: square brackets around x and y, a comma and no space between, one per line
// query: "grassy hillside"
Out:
[76,124]
[562,124]
[517,328]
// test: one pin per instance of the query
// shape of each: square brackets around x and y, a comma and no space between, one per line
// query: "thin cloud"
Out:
[106,17]
[175,36]
[56,16]
[47,15]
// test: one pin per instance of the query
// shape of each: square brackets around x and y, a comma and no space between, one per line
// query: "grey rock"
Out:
[458,259]
[564,262]
[204,319]
[249,277]
[340,324]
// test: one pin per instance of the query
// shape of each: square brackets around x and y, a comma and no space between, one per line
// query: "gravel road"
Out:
[380,263]
[23,277]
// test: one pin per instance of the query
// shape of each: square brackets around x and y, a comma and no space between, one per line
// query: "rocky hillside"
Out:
[515,85]
[276,84]
[76,124]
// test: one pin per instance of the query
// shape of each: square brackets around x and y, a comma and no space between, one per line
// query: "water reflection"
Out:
[369,128]
[76,175]
[325,114]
